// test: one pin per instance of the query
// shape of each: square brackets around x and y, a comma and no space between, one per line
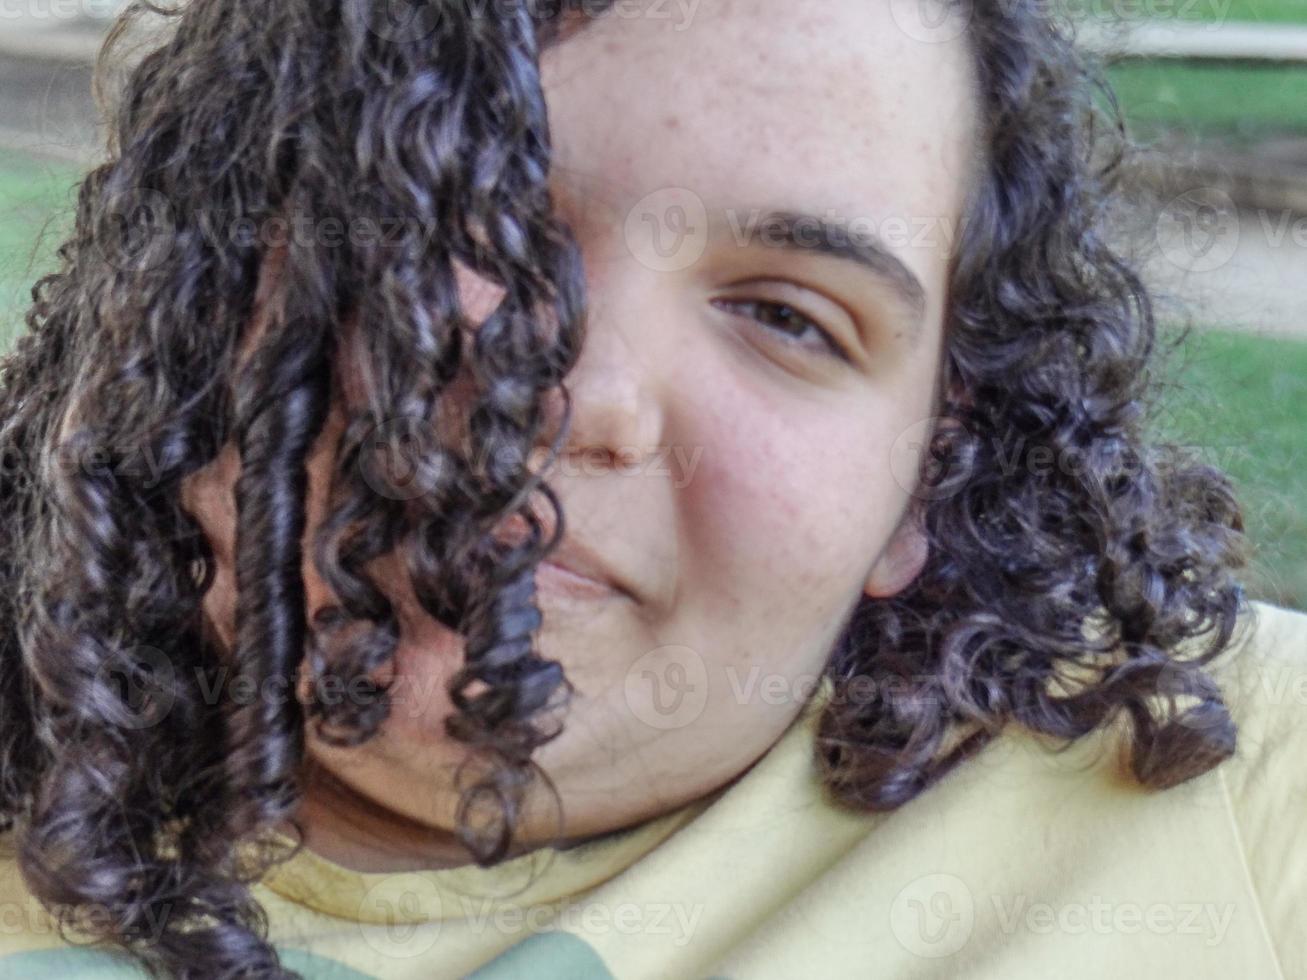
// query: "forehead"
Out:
[816,106]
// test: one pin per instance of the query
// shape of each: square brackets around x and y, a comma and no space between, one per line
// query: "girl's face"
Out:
[747,408]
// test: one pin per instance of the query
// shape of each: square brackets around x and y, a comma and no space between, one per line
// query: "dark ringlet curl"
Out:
[1075,571]
[143,789]
[1053,598]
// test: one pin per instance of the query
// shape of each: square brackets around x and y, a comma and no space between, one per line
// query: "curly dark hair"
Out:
[1077,568]
[136,370]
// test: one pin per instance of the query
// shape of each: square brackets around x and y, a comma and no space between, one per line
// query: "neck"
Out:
[354,831]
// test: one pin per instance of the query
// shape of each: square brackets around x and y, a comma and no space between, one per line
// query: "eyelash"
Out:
[785,337]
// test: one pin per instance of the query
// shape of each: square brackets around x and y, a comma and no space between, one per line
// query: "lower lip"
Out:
[557,580]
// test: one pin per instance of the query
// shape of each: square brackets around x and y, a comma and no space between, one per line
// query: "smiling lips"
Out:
[573,570]
[555,578]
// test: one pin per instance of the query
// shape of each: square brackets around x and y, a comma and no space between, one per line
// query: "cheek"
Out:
[789,511]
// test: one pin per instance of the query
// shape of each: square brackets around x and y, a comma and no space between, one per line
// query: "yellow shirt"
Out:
[1022,863]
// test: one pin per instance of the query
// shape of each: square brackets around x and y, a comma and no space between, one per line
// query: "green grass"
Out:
[1256,11]
[36,203]
[1210,11]
[1238,398]
[1242,103]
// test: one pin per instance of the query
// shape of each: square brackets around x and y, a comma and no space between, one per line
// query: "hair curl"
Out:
[1074,566]
[435,124]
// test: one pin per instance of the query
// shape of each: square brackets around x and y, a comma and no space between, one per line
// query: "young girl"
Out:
[526,490]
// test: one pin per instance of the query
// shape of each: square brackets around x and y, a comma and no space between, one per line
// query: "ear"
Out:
[901,561]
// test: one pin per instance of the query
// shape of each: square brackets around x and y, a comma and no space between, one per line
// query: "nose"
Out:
[616,419]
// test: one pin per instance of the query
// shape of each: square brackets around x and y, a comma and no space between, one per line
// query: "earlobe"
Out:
[900,563]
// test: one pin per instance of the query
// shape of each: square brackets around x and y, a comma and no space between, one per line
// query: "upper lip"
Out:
[575,557]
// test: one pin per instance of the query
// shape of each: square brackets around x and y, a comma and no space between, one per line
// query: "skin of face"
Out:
[727,464]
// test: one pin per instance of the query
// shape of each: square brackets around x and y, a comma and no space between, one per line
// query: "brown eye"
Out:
[787,323]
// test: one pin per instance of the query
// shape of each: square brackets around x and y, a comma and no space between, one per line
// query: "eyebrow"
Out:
[802,232]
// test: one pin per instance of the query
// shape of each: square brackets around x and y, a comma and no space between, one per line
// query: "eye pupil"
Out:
[786,315]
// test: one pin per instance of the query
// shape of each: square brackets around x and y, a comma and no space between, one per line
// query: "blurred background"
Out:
[1215,92]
